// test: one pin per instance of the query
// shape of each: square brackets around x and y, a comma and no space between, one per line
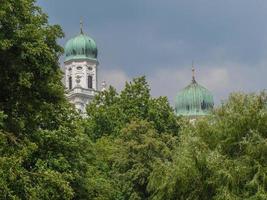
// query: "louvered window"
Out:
[90,82]
[70,82]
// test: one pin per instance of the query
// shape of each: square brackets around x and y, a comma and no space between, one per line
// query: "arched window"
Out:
[90,82]
[70,82]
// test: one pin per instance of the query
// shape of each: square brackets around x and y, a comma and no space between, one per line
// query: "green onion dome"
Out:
[194,100]
[81,47]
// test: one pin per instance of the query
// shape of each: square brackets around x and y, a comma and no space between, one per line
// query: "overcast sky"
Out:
[227,39]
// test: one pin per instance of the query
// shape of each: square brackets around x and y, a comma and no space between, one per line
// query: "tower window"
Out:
[90,82]
[70,82]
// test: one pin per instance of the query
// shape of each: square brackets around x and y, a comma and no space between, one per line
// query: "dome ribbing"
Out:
[194,100]
[81,47]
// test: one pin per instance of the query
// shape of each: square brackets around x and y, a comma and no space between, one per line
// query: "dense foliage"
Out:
[43,153]
[130,147]
[132,132]
[110,111]
[30,74]
[222,157]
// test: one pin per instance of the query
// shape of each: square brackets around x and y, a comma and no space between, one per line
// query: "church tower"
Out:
[80,67]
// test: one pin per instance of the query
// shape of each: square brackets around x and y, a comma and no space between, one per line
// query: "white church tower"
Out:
[80,69]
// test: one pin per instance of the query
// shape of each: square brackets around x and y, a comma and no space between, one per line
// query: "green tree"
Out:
[110,111]
[30,76]
[44,153]
[140,147]
[222,157]
[50,166]
[100,180]
[131,132]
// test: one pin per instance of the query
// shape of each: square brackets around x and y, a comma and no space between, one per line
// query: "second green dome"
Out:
[81,47]
[194,100]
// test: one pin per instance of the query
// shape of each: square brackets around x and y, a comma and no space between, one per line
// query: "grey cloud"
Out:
[151,36]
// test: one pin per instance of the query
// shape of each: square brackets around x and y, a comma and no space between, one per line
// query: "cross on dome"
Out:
[81,26]
[81,47]
[193,72]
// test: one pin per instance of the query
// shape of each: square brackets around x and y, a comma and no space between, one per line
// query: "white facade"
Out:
[81,82]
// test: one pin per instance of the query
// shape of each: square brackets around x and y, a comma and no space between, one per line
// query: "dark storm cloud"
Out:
[144,36]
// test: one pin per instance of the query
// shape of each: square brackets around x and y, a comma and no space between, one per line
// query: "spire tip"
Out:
[193,72]
[81,26]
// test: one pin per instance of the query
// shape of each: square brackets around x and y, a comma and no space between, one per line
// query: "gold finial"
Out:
[81,26]
[193,72]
